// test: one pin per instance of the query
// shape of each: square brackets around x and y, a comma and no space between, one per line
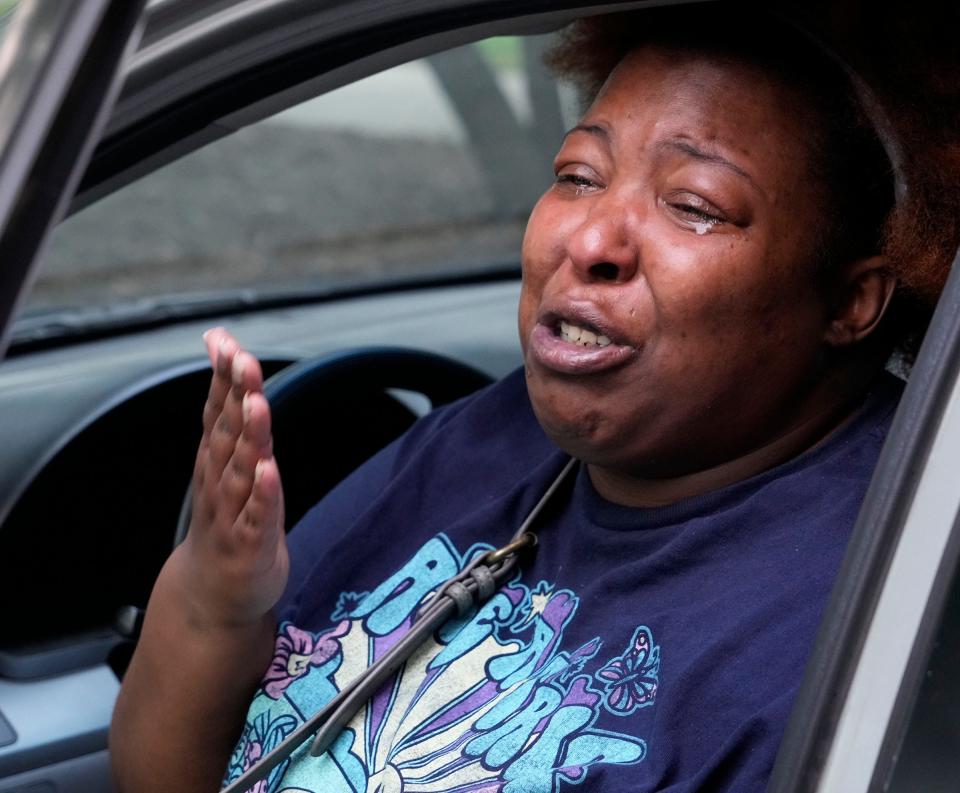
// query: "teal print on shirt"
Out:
[493,705]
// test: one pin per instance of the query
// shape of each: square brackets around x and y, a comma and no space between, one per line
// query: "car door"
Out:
[59,64]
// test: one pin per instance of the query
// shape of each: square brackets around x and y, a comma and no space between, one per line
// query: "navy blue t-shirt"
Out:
[641,649]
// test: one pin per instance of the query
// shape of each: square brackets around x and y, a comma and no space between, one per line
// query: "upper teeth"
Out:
[578,335]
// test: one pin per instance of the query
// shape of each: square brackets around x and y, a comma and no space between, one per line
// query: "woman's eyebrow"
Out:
[591,129]
[691,149]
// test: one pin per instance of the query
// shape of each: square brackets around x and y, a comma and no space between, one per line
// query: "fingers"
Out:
[253,445]
[236,431]
[245,377]
[221,348]
[264,508]
[235,545]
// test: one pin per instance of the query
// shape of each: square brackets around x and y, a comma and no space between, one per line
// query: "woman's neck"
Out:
[824,417]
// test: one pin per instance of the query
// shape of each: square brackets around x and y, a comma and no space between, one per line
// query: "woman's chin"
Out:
[579,427]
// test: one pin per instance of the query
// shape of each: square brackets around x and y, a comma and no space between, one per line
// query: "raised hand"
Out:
[235,552]
[179,712]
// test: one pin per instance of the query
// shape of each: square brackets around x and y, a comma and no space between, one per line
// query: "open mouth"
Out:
[584,335]
[576,346]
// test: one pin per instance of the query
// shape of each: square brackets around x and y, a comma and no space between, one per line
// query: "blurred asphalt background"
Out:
[421,167]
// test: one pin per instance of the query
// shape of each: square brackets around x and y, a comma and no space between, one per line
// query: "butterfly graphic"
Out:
[630,681]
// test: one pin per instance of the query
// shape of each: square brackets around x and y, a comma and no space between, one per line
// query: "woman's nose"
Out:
[604,247]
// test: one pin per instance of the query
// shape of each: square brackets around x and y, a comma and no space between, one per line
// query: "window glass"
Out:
[428,168]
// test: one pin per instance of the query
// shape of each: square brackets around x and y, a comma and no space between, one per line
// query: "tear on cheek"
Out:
[702,227]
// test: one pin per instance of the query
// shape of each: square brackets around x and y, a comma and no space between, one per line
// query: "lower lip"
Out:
[565,357]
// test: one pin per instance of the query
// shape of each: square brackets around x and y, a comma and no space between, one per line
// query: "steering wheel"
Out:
[331,413]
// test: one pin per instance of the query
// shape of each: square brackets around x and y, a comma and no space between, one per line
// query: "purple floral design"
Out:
[630,681]
[296,651]
[261,736]
[251,753]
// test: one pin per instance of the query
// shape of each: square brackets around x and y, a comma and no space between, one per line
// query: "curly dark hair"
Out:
[888,156]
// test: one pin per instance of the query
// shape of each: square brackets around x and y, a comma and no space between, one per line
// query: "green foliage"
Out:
[503,52]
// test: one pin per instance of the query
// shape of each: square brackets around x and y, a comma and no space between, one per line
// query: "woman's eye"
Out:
[701,217]
[575,181]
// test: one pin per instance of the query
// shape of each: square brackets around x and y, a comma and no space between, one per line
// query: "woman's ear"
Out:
[863,294]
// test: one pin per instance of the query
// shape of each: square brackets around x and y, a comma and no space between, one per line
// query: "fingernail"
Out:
[206,334]
[258,471]
[245,407]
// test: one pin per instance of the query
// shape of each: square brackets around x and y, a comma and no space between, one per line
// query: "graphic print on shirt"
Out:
[494,704]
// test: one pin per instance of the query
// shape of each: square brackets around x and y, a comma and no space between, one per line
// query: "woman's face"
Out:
[670,318]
